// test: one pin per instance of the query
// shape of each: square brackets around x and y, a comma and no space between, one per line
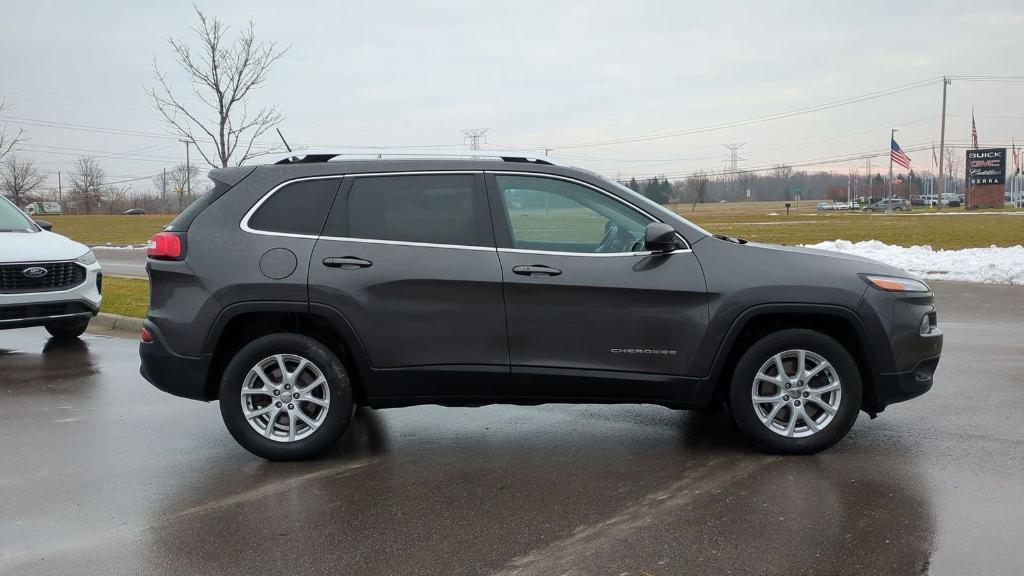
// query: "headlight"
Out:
[87,258]
[896,284]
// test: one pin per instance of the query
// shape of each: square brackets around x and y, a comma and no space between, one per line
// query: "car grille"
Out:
[59,276]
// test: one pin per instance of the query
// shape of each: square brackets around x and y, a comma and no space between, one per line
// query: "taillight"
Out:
[166,246]
[146,336]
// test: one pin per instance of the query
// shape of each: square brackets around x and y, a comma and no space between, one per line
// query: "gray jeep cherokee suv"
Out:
[294,291]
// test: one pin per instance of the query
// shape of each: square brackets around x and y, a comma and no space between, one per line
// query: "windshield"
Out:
[14,220]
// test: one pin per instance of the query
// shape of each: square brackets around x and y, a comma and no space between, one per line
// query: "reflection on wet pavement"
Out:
[103,473]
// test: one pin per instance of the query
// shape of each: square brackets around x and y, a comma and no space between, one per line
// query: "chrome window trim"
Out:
[409,243]
[591,254]
[244,225]
[648,215]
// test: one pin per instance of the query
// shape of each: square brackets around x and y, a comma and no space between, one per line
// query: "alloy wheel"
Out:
[796,393]
[285,397]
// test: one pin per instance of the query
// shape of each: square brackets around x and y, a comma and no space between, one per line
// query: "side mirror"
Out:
[660,237]
[44,224]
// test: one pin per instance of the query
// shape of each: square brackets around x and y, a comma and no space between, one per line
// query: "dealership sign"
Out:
[987,166]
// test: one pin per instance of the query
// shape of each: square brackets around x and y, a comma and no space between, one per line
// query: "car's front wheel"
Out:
[67,330]
[795,391]
[285,397]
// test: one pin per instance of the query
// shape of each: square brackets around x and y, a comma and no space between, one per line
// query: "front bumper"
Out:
[79,303]
[183,376]
[900,386]
[905,351]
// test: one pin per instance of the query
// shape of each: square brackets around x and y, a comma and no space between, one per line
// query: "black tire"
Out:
[897,209]
[744,412]
[339,412]
[67,330]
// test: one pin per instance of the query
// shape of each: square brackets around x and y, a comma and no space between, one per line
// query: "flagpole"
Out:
[892,138]
[942,143]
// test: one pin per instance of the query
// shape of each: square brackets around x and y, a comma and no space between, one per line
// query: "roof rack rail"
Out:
[320,155]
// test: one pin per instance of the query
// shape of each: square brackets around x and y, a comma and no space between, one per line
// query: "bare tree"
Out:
[177,182]
[955,169]
[114,195]
[19,178]
[698,185]
[676,193]
[222,74]
[8,141]
[783,173]
[86,183]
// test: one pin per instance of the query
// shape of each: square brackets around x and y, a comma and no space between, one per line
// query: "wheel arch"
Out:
[243,322]
[754,323]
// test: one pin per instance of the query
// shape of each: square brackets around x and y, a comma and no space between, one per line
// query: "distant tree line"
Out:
[781,183]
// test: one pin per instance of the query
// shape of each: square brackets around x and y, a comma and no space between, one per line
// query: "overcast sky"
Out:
[537,74]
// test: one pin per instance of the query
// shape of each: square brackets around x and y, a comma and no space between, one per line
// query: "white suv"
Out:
[45,279]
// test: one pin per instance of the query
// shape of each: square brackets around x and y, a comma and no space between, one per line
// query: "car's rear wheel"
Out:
[285,397]
[795,391]
[67,330]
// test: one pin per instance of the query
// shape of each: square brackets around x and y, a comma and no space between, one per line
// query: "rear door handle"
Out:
[347,263]
[536,270]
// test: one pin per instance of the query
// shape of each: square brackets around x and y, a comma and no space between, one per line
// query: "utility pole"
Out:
[474,135]
[188,170]
[892,138]
[942,143]
[60,189]
[871,181]
[163,191]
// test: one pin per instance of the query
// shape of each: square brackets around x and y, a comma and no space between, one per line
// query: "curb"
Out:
[125,326]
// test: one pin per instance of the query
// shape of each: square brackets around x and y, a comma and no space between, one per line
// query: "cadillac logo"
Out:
[35,272]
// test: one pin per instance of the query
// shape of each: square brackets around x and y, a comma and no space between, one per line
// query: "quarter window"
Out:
[298,208]
[559,216]
[434,209]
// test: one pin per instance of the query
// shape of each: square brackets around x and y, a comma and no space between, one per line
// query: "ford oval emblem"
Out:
[35,272]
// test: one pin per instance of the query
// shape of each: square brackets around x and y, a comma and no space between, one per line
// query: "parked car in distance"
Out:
[826,206]
[889,205]
[134,212]
[45,279]
[43,209]
[502,278]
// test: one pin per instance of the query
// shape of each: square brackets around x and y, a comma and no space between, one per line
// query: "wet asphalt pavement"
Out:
[130,263]
[101,473]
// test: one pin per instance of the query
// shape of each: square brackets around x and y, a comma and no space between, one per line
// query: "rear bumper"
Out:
[183,376]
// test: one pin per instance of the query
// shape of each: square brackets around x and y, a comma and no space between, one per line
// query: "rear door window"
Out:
[424,208]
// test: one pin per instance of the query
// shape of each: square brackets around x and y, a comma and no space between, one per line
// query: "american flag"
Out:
[974,132]
[898,156]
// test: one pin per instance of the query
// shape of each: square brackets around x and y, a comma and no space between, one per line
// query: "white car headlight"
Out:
[87,258]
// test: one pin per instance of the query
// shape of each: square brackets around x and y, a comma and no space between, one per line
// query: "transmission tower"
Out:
[734,160]
[474,135]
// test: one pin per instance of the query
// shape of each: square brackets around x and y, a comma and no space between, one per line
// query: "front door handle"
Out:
[536,270]
[347,263]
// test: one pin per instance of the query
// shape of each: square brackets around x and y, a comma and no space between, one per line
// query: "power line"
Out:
[755,120]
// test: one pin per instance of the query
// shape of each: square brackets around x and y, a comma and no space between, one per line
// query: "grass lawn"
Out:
[950,230]
[109,229]
[125,296]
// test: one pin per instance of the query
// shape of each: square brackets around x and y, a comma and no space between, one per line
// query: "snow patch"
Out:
[119,247]
[992,265]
